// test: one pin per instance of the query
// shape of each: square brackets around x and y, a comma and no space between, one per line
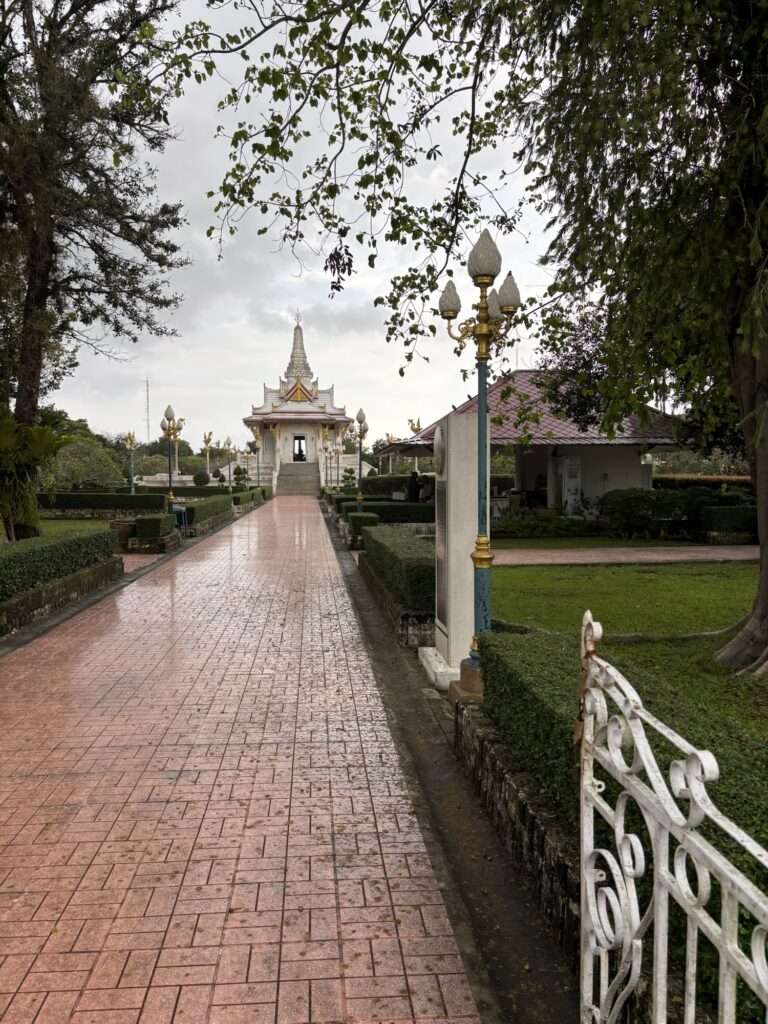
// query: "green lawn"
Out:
[558,543]
[67,527]
[655,600]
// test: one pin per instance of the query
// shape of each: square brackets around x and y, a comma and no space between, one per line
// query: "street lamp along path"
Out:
[171,428]
[490,325]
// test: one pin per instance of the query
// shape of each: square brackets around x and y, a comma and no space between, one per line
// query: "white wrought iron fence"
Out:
[627,882]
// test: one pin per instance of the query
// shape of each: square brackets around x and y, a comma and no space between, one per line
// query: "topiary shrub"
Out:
[150,527]
[27,564]
[357,520]
[392,511]
[404,564]
[201,478]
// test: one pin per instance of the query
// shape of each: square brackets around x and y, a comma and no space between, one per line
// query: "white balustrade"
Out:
[627,883]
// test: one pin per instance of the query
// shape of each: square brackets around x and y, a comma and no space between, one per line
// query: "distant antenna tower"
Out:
[146,383]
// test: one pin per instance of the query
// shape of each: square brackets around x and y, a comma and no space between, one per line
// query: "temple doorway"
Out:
[299,448]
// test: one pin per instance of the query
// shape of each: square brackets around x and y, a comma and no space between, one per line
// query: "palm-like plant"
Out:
[25,452]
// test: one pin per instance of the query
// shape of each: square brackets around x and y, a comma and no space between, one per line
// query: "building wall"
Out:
[603,468]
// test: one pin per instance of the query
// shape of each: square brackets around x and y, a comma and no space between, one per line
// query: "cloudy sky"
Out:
[235,322]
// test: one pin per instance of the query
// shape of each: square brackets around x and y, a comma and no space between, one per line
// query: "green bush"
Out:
[393,511]
[266,491]
[737,519]
[343,496]
[149,527]
[530,690]
[404,563]
[206,508]
[712,483]
[357,520]
[244,498]
[378,485]
[201,478]
[559,526]
[27,564]
[634,512]
[101,499]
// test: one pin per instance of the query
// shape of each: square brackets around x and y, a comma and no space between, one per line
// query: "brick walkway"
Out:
[203,810]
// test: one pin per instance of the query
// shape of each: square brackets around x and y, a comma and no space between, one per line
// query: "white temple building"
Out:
[300,428]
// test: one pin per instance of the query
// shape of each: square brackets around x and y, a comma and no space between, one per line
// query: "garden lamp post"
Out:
[327,454]
[488,326]
[256,449]
[207,449]
[362,430]
[228,450]
[130,444]
[339,447]
[171,428]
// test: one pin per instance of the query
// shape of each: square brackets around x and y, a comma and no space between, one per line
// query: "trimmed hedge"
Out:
[556,527]
[736,519]
[347,495]
[27,564]
[357,520]
[531,691]
[404,564]
[713,482]
[266,490]
[150,527]
[244,498]
[101,499]
[200,511]
[379,485]
[393,511]
[633,511]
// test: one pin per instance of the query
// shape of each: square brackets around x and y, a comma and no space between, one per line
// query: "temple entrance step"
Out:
[298,478]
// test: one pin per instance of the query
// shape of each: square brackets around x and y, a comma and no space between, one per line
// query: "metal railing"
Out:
[627,883]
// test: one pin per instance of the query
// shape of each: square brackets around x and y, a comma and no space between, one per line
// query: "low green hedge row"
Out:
[357,520]
[633,511]
[404,563]
[245,497]
[102,499]
[558,526]
[378,485]
[27,564]
[266,490]
[340,498]
[200,511]
[181,491]
[393,511]
[736,519]
[149,527]
[677,481]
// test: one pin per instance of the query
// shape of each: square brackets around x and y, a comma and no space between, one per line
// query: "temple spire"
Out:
[298,365]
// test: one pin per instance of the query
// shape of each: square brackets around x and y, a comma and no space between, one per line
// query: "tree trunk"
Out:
[748,650]
[35,322]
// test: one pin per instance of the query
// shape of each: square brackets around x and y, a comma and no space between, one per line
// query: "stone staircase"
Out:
[298,478]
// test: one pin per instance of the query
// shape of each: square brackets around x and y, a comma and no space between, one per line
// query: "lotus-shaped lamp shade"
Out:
[163,424]
[364,427]
[360,416]
[449,303]
[494,309]
[339,443]
[169,413]
[228,442]
[509,295]
[485,258]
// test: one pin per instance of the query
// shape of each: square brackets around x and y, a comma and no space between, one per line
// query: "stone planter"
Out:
[125,529]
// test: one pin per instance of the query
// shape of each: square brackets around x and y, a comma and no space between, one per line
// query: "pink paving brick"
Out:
[203,814]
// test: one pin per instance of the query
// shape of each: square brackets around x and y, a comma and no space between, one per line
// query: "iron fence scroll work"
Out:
[616,738]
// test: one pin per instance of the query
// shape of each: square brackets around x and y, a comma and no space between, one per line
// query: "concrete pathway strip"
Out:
[627,556]
[203,810]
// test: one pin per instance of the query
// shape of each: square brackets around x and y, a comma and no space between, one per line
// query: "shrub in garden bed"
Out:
[404,564]
[635,512]
[245,498]
[384,485]
[357,520]
[739,519]
[201,511]
[559,526]
[347,495]
[27,564]
[393,511]
[712,483]
[150,527]
[102,500]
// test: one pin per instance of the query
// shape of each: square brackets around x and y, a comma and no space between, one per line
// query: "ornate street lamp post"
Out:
[490,325]
[171,428]
[256,449]
[207,449]
[130,444]
[339,447]
[228,450]
[362,430]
